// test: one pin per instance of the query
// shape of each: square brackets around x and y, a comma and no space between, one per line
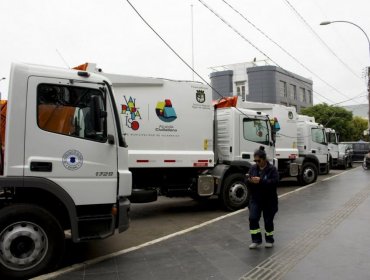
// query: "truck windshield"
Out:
[256,131]
[331,137]
[318,135]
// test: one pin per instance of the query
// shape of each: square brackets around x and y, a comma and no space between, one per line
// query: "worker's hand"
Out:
[255,180]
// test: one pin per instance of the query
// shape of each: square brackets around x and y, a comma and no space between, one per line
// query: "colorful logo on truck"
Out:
[165,111]
[132,113]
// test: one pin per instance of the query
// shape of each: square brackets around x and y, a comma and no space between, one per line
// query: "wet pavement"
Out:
[321,233]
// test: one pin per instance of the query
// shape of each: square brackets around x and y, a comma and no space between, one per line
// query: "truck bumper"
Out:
[123,214]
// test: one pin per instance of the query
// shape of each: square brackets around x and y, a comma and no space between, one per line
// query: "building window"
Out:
[303,95]
[240,89]
[293,92]
[283,89]
[309,96]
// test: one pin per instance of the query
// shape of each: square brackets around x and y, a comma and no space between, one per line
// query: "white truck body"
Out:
[181,137]
[179,144]
[65,166]
[294,146]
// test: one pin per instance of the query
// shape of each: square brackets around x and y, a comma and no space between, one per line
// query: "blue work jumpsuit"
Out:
[263,200]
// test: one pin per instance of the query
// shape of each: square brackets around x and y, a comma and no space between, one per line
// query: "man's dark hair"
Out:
[260,152]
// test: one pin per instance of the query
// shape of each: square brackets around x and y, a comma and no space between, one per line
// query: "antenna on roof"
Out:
[60,55]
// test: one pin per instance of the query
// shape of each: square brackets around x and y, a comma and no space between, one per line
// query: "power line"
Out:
[179,56]
[320,39]
[254,46]
[280,47]
[358,96]
[183,60]
[187,64]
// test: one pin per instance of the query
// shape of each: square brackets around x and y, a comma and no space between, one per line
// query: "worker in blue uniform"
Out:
[263,179]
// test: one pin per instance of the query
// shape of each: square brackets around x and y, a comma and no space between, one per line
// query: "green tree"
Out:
[334,117]
[359,125]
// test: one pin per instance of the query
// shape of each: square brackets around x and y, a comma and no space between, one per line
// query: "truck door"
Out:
[67,128]
[319,144]
[253,134]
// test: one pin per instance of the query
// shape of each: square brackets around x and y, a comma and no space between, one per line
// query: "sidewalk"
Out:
[322,232]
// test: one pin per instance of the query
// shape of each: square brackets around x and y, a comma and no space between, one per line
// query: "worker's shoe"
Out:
[269,245]
[254,245]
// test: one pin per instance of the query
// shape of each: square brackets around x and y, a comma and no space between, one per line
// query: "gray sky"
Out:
[110,34]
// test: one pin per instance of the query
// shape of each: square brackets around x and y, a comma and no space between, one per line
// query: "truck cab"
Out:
[312,142]
[332,138]
[239,132]
[65,167]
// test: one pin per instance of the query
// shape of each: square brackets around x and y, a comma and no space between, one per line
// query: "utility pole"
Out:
[192,39]
[368,97]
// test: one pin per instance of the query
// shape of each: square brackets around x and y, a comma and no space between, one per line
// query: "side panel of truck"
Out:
[168,123]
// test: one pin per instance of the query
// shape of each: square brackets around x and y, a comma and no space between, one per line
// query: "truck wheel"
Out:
[234,195]
[308,174]
[345,165]
[31,241]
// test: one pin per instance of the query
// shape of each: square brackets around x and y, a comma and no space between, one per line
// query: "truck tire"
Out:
[234,194]
[308,174]
[32,241]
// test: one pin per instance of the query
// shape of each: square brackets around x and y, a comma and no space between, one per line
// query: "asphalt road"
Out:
[157,219]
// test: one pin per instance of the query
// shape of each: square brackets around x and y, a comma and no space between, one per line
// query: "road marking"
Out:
[78,266]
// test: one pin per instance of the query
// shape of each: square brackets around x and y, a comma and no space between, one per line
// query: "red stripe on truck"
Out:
[142,160]
[203,160]
[200,164]
[169,160]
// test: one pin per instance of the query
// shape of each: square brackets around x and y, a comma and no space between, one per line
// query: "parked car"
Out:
[345,155]
[360,149]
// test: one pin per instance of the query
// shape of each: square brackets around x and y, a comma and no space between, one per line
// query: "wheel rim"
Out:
[23,246]
[308,175]
[238,193]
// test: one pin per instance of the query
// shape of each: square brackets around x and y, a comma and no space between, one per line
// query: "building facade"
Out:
[268,84]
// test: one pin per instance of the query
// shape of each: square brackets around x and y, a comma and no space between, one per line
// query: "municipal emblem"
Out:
[72,160]
[290,115]
[200,96]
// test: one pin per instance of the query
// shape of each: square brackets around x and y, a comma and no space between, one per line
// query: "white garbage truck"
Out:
[181,145]
[300,148]
[64,166]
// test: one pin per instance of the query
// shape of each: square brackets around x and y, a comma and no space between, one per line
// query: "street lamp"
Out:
[368,69]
